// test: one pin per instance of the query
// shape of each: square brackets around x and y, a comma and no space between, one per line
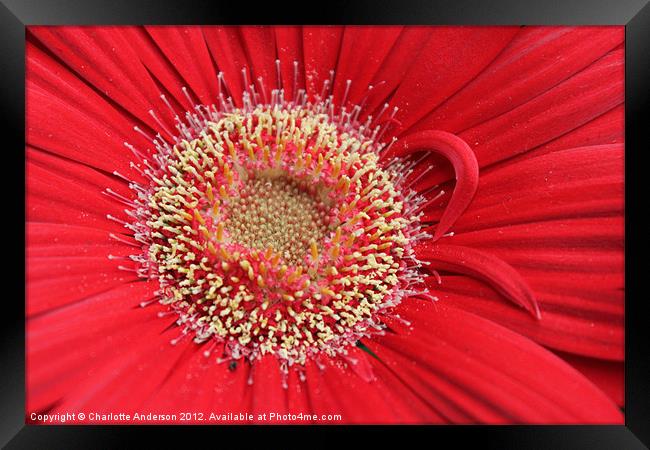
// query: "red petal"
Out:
[58,127]
[103,57]
[414,409]
[484,266]
[76,173]
[149,363]
[259,43]
[102,327]
[559,110]
[537,59]
[298,395]
[185,47]
[321,50]
[54,78]
[572,183]
[228,52]
[573,258]
[58,199]
[442,394]
[607,128]
[476,371]
[358,363]
[373,43]
[607,375]
[99,314]
[522,244]
[199,381]
[55,282]
[397,63]
[49,380]
[461,157]
[451,57]
[268,394]
[288,41]
[67,117]
[582,315]
[162,71]
[601,233]
[336,390]
[53,239]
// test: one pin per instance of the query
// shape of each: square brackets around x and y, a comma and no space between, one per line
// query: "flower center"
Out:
[274,229]
[274,211]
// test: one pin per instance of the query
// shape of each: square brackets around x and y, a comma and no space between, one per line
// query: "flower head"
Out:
[314,220]
[274,229]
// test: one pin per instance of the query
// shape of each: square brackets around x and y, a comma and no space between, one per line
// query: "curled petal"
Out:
[477,264]
[461,157]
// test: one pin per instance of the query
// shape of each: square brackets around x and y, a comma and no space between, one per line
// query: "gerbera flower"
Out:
[389,224]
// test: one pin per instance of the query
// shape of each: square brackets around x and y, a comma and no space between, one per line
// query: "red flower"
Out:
[516,316]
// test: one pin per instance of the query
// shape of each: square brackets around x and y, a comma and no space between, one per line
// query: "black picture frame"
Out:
[15,15]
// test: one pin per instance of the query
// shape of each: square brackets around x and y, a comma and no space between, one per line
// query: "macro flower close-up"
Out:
[325,224]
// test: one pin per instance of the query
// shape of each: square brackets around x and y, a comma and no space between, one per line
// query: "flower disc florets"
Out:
[276,230]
